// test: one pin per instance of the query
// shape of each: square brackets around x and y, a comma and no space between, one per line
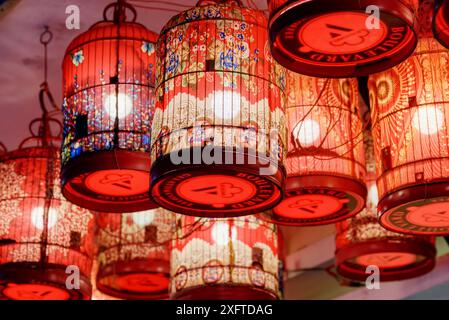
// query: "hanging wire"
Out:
[40,128]
[2,148]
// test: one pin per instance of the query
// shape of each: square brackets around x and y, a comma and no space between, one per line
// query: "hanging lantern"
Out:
[45,241]
[109,74]
[410,127]
[362,242]
[133,254]
[218,132]
[325,160]
[350,38]
[235,258]
[441,22]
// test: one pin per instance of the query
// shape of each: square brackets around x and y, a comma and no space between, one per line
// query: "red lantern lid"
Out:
[326,38]
[440,22]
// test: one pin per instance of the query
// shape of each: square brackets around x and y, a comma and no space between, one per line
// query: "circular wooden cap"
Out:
[135,280]
[216,190]
[396,259]
[351,42]
[20,281]
[317,200]
[417,210]
[109,181]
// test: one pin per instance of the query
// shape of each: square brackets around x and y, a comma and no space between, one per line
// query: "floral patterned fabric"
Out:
[63,235]
[240,251]
[217,82]
[97,63]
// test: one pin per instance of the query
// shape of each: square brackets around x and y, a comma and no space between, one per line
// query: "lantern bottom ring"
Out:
[217,190]
[135,280]
[417,210]
[440,26]
[27,281]
[318,199]
[397,259]
[108,181]
[223,292]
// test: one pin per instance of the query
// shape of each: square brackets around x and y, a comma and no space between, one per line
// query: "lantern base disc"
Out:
[217,190]
[25,281]
[317,200]
[135,280]
[346,47]
[223,292]
[440,24]
[397,259]
[109,181]
[417,210]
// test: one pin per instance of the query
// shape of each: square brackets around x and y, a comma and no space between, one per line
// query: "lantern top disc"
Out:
[334,39]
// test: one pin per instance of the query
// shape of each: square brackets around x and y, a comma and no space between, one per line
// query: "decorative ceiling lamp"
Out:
[362,242]
[350,38]
[134,255]
[45,243]
[218,132]
[410,112]
[235,258]
[441,22]
[109,74]
[325,160]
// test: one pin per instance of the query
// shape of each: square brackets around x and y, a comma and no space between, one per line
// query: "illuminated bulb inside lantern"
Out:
[373,196]
[143,218]
[125,105]
[307,132]
[220,233]
[428,120]
[37,217]
[226,104]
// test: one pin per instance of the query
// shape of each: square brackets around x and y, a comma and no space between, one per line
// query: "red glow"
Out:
[387,260]
[309,206]
[140,282]
[345,33]
[118,182]
[217,190]
[34,292]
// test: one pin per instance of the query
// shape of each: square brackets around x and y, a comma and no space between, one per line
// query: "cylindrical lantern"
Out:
[234,258]
[218,132]
[441,22]
[345,38]
[45,241]
[109,75]
[325,160]
[362,242]
[410,112]
[133,254]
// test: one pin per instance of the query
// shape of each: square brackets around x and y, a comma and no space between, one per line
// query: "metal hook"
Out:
[119,11]
[46,36]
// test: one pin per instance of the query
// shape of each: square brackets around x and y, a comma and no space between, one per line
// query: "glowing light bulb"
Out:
[307,132]
[373,196]
[143,218]
[125,105]
[37,217]
[220,233]
[226,104]
[428,120]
